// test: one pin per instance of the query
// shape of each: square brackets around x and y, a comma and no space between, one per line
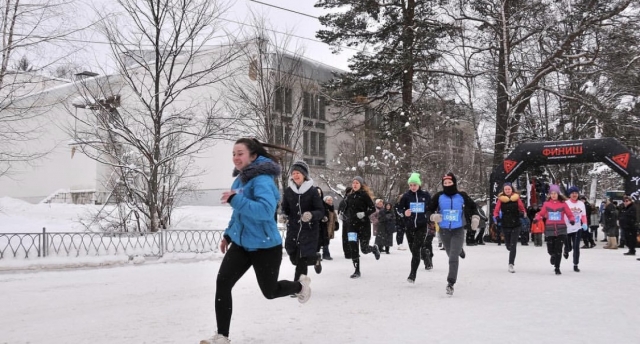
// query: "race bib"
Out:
[451,215]
[555,216]
[416,207]
[352,236]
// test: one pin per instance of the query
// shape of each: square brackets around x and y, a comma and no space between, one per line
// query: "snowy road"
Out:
[173,303]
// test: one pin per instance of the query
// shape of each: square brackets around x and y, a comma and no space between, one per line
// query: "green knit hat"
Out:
[415,179]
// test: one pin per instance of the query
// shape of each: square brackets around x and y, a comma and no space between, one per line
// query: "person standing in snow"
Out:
[386,227]
[574,231]
[252,238]
[587,236]
[331,224]
[628,223]
[359,206]
[483,223]
[512,208]
[447,208]
[302,204]
[400,226]
[420,238]
[554,210]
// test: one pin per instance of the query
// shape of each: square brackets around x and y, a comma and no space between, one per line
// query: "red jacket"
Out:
[555,212]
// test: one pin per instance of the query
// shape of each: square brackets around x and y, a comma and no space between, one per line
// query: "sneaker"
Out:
[411,278]
[575,268]
[327,258]
[355,274]
[558,271]
[216,339]
[401,247]
[449,289]
[428,261]
[511,269]
[481,243]
[318,266]
[376,252]
[585,246]
[566,255]
[305,294]
[629,254]
[552,260]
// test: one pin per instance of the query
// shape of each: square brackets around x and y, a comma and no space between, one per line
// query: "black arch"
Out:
[607,150]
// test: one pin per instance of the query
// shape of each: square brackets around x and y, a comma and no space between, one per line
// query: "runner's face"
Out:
[574,196]
[508,190]
[297,177]
[413,187]
[355,185]
[447,182]
[554,196]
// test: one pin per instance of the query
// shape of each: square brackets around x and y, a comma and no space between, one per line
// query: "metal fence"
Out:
[61,244]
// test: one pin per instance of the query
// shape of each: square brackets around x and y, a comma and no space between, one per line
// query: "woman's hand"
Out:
[225,197]
[224,245]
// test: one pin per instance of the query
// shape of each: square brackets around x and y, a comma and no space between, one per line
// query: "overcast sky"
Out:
[95,53]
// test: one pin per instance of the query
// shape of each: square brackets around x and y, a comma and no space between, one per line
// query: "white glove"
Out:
[437,218]
[475,222]
[325,219]
[306,216]
[360,215]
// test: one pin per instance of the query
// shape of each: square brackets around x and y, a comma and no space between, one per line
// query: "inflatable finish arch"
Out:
[607,150]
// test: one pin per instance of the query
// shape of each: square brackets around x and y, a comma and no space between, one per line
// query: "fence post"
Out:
[160,243]
[44,241]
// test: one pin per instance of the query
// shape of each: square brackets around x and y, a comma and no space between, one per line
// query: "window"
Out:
[314,145]
[314,106]
[283,100]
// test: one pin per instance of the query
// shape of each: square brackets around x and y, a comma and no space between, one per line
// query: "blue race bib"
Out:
[451,215]
[352,236]
[555,216]
[416,207]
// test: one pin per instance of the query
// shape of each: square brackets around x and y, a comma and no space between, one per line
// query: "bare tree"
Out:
[162,107]
[34,36]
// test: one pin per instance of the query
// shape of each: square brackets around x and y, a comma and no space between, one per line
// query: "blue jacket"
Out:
[454,209]
[253,225]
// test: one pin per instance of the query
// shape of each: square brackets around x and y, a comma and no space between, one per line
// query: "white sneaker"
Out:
[216,339]
[305,294]
[511,269]
[402,248]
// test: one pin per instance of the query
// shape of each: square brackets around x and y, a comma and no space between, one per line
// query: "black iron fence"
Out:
[62,244]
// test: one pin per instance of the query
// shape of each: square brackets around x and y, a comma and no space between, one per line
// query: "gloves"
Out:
[572,222]
[585,227]
[495,219]
[360,215]
[283,218]
[325,219]
[306,216]
[475,222]
[436,217]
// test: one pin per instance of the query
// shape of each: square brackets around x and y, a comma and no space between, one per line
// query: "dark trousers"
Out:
[400,235]
[480,236]
[631,239]
[554,247]
[573,243]
[266,265]
[511,236]
[345,242]
[537,239]
[417,239]
[363,239]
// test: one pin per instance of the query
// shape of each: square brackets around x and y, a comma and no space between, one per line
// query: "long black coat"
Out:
[356,202]
[302,237]
[386,227]
[627,218]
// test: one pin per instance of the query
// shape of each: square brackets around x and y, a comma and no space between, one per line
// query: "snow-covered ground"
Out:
[172,301]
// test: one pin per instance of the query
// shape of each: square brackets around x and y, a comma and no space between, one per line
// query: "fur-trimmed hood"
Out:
[260,166]
[504,198]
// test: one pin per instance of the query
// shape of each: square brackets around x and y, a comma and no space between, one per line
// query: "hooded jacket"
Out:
[253,225]
[302,237]
[420,198]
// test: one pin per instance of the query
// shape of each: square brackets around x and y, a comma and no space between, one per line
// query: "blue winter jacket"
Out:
[454,209]
[253,225]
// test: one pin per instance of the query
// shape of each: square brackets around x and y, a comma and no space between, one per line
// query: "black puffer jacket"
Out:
[359,202]
[627,218]
[302,237]
[415,220]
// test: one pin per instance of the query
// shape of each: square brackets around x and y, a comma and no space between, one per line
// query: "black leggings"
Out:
[418,239]
[237,260]
[554,247]
[511,241]
[364,237]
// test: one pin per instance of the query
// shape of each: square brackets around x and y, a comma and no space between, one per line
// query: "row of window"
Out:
[313,105]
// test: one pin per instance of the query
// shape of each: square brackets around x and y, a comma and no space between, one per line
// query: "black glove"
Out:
[572,222]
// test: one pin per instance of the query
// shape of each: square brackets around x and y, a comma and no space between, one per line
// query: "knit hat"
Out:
[554,188]
[573,189]
[415,179]
[451,177]
[507,184]
[301,167]
[359,179]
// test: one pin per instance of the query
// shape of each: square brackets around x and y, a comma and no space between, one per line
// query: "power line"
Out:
[284,9]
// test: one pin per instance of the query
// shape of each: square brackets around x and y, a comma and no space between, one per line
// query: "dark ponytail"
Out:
[259,149]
